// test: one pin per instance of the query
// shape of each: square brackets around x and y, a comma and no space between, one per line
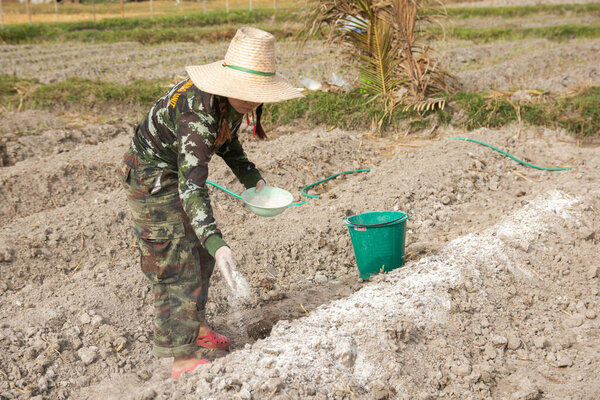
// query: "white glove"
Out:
[226,263]
[260,185]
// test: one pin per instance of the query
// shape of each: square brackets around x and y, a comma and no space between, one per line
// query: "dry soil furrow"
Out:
[437,326]
[22,145]
[531,21]
[35,185]
[126,62]
[530,63]
[95,61]
[28,122]
[79,257]
[557,69]
[58,179]
[469,189]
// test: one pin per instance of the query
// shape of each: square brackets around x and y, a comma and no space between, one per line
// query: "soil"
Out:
[531,21]
[516,3]
[124,62]
[498,298]
[526,64]
[538,64]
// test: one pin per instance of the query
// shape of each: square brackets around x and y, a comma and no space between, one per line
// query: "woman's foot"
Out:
[187,363]
[204,329]
[207,338]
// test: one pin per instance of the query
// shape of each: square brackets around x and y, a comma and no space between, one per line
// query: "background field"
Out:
[500,293]
[16,12]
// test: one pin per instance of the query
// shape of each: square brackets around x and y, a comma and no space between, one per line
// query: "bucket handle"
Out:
[374,225]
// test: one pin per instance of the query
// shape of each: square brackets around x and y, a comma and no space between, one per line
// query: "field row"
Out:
[18,13]
[502,23]
[92,79]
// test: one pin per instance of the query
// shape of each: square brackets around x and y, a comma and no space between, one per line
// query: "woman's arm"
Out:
[195,136]
[234,156]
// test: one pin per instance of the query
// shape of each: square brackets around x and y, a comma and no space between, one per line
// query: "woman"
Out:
[164,172]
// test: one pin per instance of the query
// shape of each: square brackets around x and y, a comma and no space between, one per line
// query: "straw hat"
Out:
[247,72]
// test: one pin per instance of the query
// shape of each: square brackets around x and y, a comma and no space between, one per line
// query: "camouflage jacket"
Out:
[178,135]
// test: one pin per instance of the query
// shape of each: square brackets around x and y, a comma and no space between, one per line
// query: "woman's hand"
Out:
[227,266]
[226,263]
[260,185]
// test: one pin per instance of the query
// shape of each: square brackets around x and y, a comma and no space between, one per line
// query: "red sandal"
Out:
[213,340]
[177,375]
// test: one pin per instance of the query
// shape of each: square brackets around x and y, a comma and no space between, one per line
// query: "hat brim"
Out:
[216,79]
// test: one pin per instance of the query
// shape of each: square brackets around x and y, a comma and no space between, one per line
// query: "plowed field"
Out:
[498,299]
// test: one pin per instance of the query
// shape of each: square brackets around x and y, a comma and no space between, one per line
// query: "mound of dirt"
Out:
[458,322]
[480,306]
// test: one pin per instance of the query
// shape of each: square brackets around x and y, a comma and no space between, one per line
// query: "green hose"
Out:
[310,196]
[304,189]
[509,155]
[224,189]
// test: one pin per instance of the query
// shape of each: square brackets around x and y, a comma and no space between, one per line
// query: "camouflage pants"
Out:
[178,267]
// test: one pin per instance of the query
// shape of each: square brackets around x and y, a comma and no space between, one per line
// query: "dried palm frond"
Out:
[385,36]
[378,53]
[427,104]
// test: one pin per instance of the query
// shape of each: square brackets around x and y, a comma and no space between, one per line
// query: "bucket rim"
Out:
[402,218]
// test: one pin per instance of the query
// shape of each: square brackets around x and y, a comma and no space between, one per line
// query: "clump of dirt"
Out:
[3,154]
[462,317]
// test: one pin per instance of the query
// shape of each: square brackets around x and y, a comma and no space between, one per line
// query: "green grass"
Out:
[343,110]
[77,92]
[523,11]
[154,36]
[557,32]
[579,114]
[192,27]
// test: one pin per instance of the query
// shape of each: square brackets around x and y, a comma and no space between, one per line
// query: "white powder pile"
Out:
[348,339]
[267,201]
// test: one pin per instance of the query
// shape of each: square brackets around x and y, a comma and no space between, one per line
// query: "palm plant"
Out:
[387,36]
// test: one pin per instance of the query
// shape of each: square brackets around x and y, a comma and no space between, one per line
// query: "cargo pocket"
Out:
[161,217]
[160,259]
[123,171]
[157,216]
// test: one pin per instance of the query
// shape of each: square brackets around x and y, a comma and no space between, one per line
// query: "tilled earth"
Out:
[525,64]
[76,313]
[499,297]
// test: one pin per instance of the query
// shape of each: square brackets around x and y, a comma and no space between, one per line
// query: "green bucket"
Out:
[378,239]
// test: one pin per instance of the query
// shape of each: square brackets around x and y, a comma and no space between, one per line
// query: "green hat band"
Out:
[250,71]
